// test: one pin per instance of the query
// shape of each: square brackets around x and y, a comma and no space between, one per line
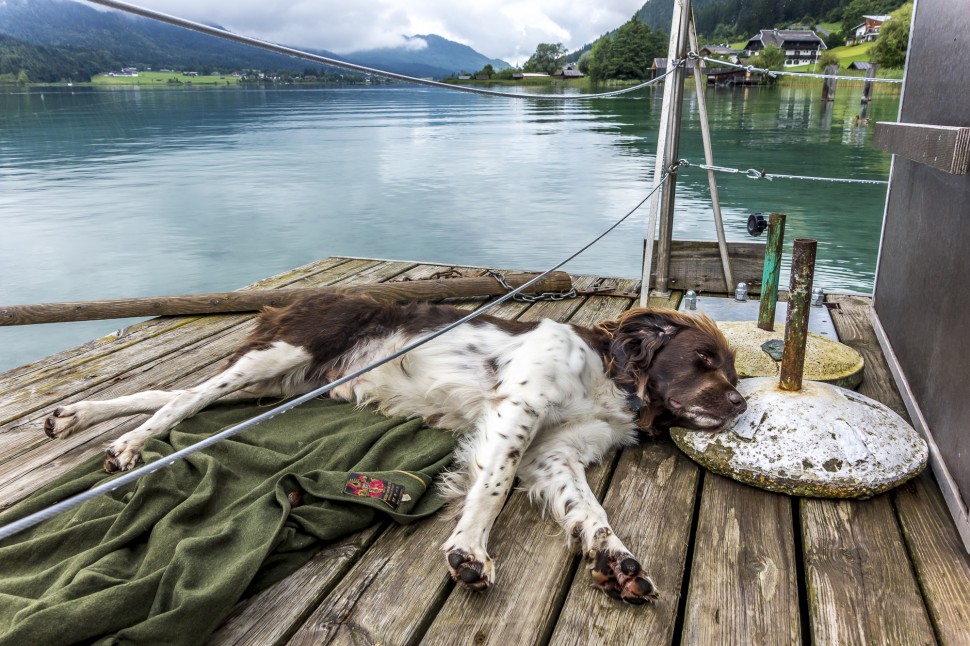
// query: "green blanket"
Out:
[164,559]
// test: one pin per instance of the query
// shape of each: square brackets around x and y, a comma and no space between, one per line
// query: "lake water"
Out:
[113,193]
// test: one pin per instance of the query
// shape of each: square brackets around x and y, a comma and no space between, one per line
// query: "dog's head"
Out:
[679,365]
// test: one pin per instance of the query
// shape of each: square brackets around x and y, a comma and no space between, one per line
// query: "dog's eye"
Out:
[705,358]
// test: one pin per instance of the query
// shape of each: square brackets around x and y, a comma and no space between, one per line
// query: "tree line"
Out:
[24,62]
[626,53]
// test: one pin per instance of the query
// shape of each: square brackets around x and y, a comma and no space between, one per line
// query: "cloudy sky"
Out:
[506,29]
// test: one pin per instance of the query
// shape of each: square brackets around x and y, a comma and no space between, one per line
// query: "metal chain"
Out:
[754,173]
[531,298]
[694,56]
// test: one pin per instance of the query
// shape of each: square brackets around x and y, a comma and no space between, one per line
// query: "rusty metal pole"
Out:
[771,272]
[799,305]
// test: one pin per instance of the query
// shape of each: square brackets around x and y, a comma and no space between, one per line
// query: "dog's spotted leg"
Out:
[252,368]
[71,418]
[559,479]
[509,427]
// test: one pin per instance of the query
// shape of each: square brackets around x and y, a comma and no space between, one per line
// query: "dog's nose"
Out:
[737,400]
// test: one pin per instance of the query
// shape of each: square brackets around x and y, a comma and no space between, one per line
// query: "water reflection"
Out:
[119,193]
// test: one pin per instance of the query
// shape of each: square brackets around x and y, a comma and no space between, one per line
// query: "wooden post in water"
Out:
[771,272]
[799,306]
[828,85]
[867,85]
[662,202]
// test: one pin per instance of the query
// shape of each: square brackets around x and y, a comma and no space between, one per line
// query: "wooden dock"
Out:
[734,564]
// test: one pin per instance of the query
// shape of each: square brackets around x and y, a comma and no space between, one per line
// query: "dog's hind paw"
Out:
[61,423]
[620,576]
[470,572]
[121,456]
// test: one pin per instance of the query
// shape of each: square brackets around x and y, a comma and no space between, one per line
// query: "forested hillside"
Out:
[21,61]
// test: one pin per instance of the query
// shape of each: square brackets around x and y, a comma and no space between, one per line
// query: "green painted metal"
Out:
[799,302]
[771,272]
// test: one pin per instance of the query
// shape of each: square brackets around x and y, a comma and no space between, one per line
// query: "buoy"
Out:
[808,438]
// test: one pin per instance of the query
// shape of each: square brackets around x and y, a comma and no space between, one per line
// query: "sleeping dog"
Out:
[537,401]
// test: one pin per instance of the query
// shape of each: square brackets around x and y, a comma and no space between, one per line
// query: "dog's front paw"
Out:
[121,455]
[470,572]
[621,577]
[62,422]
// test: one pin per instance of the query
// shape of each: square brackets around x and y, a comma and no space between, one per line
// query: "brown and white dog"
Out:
[537,401]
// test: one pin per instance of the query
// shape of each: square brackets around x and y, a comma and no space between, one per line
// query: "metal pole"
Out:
[669,110]
[799,305]
[701,84]
[669,191]
[771,272]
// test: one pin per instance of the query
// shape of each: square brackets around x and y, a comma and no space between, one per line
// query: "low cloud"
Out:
[506,29]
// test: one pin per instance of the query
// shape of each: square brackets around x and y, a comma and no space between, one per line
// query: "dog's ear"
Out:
[635,339]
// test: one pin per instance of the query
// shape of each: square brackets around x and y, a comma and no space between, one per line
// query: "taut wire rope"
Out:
[754,173]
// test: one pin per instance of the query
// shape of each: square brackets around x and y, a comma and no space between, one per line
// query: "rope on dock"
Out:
[326,60]
[754,173]
[27,522]
[694,56]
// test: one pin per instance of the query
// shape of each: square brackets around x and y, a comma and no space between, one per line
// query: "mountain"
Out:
[440,57]
[132,40]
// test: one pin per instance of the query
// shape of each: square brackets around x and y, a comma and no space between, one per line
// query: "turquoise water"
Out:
[128,192]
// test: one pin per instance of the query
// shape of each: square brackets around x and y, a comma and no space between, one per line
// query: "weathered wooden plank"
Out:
[534,565]
[533,560]
[933,543]
[945,148]
[938,557]
[743,587]
[387,597]
[861,588]
[851,319]
[273,615]
[650,504]
[671,302]
[696,264]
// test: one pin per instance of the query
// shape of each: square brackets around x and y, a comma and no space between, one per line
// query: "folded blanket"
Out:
[164,559]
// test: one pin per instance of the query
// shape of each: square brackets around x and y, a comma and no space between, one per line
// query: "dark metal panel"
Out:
[921,295]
